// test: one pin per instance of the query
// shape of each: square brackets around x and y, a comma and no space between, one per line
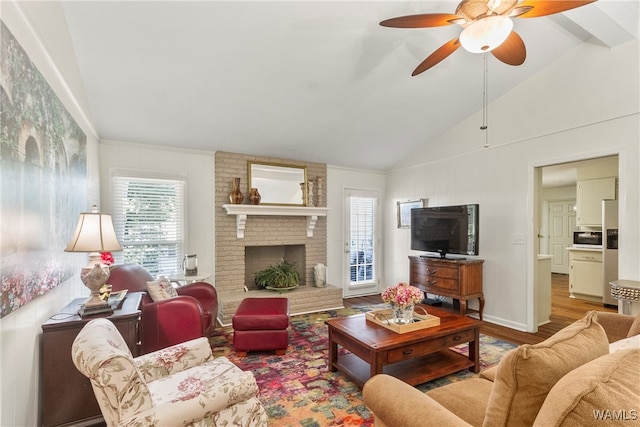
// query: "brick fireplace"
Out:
[266,238]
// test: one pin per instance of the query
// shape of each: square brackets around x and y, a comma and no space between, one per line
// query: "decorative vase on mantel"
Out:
[310,184]
[235,196]
[254,196]
[402,314]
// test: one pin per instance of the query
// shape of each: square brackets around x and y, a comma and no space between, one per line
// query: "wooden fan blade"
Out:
[437,56]
[549,7]
[512,51]
[421,21]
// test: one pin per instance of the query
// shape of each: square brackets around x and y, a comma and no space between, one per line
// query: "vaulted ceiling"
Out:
[313,80]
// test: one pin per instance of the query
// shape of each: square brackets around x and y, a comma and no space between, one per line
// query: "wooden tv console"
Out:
[453,278]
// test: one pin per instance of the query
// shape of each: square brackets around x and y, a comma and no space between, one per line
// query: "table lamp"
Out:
[94,234]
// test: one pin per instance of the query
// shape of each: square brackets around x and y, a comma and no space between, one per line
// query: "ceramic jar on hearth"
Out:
[320,275]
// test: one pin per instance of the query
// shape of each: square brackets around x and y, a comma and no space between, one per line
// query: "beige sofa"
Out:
[570,379]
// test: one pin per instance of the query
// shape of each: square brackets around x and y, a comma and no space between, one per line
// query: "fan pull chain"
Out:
[485,106]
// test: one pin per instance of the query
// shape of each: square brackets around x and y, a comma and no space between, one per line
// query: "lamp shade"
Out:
[486,33]
[94,233]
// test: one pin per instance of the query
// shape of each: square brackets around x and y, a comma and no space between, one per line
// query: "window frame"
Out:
[181,242]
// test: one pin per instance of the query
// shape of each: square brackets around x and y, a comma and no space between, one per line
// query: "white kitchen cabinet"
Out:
[585,274]
[589,196]
[543,289]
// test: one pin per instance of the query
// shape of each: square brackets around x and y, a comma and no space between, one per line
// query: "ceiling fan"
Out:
[487,27]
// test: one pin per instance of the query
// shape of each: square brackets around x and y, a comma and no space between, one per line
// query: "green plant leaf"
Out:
[280,275]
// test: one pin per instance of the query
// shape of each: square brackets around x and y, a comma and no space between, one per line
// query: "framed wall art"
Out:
[43,180]
[404,211]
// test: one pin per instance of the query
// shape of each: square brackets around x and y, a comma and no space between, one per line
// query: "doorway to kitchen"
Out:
[555,202]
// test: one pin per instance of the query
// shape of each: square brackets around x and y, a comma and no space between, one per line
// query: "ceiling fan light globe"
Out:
[486,34]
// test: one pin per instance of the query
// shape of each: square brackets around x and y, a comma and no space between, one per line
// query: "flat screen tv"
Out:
[446,230]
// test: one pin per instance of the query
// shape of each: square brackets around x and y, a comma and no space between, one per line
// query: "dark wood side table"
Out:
[66,396]
[459,279]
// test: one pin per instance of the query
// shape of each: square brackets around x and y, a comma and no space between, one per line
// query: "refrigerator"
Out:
[609,249]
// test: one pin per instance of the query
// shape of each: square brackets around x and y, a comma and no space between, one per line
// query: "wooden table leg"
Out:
[463,307]
[333,353]
[481,305]
[474,350]
[376,366]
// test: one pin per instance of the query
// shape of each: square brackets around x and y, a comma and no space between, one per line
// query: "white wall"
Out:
[41,31]
[585,105]
[337,180]
[196,167]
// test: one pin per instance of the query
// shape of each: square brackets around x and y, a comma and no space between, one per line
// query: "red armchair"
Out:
[192,314]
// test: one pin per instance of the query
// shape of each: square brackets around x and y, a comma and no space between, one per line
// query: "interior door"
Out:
[562,222]
[361,242]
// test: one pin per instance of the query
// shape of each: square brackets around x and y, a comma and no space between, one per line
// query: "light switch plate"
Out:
[518,239]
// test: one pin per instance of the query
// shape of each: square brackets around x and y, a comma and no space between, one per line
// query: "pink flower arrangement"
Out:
[106,258]
[402,294]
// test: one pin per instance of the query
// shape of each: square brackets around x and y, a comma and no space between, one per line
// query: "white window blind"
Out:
[362,237]
[148,217]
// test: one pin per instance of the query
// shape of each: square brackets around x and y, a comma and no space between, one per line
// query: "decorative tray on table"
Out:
[384,318]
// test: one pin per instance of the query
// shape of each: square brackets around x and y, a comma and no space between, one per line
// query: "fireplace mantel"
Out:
[243,211]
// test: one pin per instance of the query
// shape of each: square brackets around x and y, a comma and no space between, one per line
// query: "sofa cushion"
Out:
[220,380]
[600,392]
[625,344]
[635,327]
[489,373]
[161,289]
[526,374]
[467,399]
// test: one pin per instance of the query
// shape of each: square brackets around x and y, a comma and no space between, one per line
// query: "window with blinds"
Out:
[148,217]
[362,239]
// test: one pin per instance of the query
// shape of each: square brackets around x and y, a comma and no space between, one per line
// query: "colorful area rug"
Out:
[297,389]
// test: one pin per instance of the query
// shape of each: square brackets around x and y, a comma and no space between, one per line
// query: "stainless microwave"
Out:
[587,238]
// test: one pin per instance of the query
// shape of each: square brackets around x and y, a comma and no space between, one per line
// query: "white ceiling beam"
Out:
[620,18]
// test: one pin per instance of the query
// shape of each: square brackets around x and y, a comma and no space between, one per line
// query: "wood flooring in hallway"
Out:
[564,310]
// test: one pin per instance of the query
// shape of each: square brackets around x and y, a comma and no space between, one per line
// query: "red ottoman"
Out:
[261,324]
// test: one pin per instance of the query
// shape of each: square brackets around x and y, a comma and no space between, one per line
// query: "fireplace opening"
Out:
[260,257]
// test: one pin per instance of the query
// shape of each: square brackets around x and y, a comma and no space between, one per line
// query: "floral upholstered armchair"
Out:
[182,385]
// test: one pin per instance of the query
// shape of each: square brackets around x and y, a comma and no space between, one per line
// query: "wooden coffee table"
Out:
[414,357]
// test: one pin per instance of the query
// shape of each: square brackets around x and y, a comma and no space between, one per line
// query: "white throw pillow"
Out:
[161,289]
[625,343]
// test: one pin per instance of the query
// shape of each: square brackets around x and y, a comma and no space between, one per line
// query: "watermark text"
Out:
[615,415]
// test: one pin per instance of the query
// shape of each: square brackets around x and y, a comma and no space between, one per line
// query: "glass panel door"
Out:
[361,242]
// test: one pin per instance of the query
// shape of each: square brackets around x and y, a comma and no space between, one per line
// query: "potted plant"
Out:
[280,276]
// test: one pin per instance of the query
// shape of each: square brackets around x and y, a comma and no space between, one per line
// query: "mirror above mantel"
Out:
[278,184]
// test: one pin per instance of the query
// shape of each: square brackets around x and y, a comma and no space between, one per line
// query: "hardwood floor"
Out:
[564,310]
